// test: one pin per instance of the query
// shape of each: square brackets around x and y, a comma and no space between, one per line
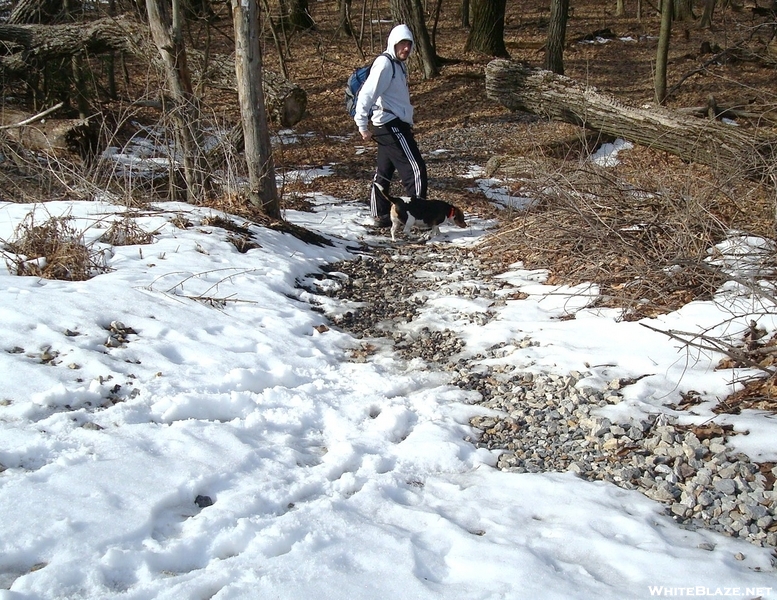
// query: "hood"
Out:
[399,33]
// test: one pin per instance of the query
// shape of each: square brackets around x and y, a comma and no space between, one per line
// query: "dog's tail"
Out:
[379,189]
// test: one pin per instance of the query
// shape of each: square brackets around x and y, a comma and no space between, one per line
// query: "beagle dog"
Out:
[409,212]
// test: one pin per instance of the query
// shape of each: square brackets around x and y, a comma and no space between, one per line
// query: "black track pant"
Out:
[397,151]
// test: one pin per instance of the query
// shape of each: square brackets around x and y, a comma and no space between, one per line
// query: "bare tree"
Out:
[488,28]
[557,28]
[706,16]
[683,10]
[299,14]
[436,21]
[167,33]
[662,52]
[263,191]
[424,55]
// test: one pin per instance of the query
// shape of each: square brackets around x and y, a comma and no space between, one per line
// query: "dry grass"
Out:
[126,232]
[644,235]
[757,394]
[239,236]
[54,249]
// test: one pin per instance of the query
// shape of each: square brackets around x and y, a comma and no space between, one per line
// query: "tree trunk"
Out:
[706,16]
[465,14]
[729,149]
[683,10]
[662,52]
[344,18]
[435,22]
[424,55]
[620,10]
[488,27]
[299,15]
[557,28]
[166,31]
[262,192]
[110,61]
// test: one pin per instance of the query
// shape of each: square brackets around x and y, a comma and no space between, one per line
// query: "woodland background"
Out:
[642,231]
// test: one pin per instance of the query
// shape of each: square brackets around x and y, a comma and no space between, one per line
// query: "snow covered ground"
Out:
[182,427]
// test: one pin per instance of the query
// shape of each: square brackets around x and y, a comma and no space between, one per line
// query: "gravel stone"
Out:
[549,422]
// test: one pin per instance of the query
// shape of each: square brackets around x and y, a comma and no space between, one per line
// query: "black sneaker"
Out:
[382,221]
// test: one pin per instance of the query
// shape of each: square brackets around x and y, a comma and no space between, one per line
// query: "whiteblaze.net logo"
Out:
[700,591]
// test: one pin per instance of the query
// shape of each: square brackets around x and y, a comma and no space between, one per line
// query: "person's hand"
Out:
[366,135]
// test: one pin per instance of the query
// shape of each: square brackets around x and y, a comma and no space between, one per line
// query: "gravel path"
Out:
[548,423]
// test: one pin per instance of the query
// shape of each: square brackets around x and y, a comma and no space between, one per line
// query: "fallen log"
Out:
[35,11]
[28,47]
[284,100]
[520,87]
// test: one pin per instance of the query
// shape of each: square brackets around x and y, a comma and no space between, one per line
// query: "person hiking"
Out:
[384,101]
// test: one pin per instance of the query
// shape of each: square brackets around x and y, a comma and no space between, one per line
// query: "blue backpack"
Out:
[356,81]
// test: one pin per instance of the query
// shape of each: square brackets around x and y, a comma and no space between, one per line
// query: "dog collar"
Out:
[452,213]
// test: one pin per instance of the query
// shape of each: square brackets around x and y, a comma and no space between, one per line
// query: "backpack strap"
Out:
[392,61]
[393,71]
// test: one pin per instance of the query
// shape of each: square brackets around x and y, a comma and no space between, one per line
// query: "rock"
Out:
[203,501]
[707,546]
[725,486]
[679,509]
[610,445]
[549,423]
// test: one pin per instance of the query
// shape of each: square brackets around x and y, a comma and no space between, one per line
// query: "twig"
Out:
[748,284]
[216,302]
[34,118]
[715,345]
[703,67]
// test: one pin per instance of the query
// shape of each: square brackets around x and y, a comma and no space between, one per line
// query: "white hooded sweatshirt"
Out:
[386,90]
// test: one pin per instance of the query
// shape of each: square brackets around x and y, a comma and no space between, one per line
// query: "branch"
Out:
[34,118]
[744,357]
